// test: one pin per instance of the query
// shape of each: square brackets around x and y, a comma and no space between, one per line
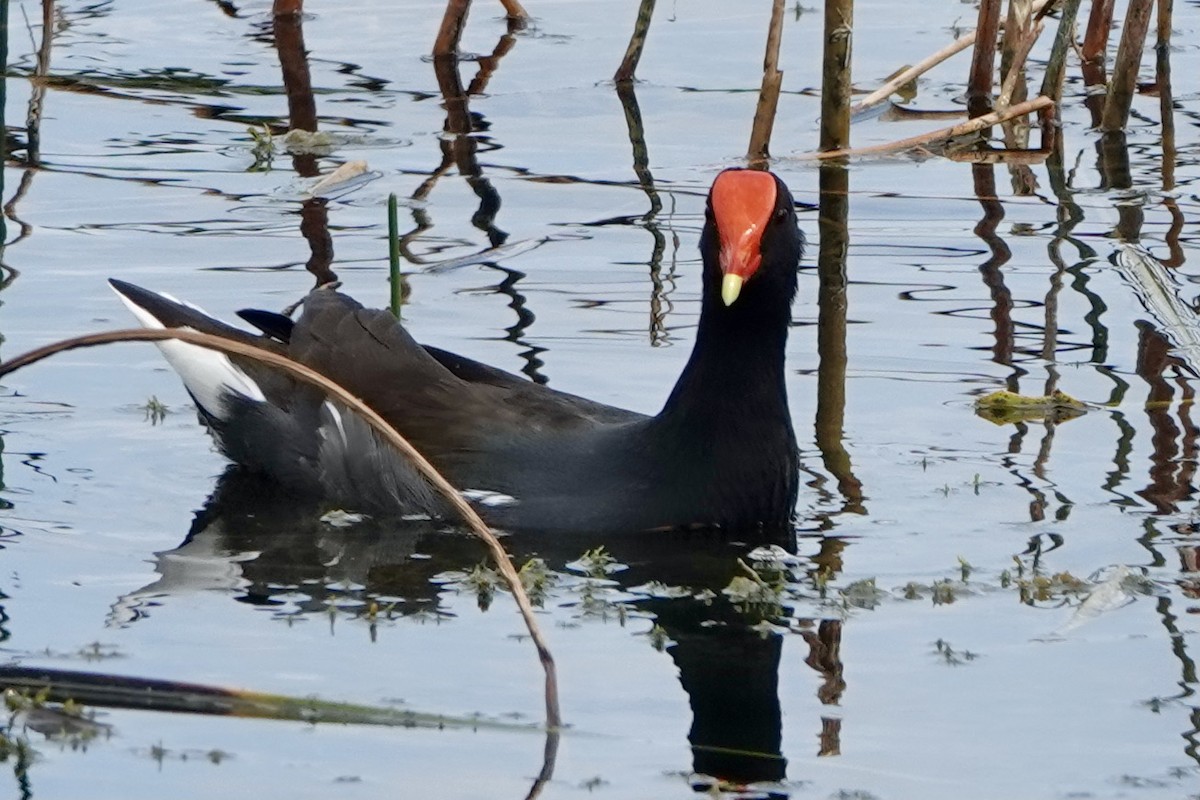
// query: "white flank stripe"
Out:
[337,421]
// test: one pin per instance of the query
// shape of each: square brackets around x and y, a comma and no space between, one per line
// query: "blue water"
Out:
[146,170]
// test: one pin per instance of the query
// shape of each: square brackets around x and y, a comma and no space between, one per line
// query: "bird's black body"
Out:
[721,453]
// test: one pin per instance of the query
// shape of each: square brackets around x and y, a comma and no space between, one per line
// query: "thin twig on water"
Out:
[376,422]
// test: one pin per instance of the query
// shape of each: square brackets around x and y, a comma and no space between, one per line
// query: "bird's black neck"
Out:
[736,370]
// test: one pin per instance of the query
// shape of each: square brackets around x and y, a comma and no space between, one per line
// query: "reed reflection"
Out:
[660,288]
[831,334]
[287,29]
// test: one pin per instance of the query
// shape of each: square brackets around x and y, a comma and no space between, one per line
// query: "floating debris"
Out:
[342,519]
[1003,407]
[348,176]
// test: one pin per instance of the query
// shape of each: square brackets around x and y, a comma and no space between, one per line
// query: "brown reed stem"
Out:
[970,126]
[1008,89]
[835,75]
[515,12]
[768,96]
[983,59]
[450,32]
[1162,77]
[637,42]
[377,423]
[1015,33]
[1052,80]
[1123,85]
[928,63]
[916,70]
[1095,38]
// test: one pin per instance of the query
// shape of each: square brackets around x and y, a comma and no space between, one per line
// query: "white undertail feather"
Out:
[207,374]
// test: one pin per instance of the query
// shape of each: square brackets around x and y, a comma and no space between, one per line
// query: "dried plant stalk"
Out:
[309,376]
[633,53]
[983,59]
[1123,85]
[972,125]
[768,95]
[835,75]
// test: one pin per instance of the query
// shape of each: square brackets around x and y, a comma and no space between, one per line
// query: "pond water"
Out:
[973,609]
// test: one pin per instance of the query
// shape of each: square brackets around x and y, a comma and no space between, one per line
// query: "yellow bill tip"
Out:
[731,287]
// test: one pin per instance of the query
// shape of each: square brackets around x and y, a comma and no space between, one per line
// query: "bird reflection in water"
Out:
[264,548]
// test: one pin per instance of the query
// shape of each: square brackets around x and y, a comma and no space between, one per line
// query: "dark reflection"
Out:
[831,333]
[1004,334]
[825,656]
[1175,444]
[530,353]
[287,32]
[460,146]
[266,548]
[731,676]
[33,133]
[660,302]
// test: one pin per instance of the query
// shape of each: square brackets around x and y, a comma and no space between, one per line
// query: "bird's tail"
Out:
[211,378]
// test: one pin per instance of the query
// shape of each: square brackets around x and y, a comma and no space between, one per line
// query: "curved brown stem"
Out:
[309,376]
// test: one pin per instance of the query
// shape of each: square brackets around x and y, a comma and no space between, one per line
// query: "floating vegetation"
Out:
[66,722]
[596,563]
[659,639]
[155,410]
[1004,407]
[537,579]
[160,754]
[951,656]
[862,594]
[262,148]
[753,597]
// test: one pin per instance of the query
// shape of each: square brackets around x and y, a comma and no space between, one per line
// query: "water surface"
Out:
[881,672]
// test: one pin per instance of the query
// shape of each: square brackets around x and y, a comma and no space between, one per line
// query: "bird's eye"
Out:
[780,214]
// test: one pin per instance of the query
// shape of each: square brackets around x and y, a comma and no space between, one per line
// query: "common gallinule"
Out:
[721,453]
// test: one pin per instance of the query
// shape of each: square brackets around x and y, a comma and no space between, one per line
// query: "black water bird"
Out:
[721,453]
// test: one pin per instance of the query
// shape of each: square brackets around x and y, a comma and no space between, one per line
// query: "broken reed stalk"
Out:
[924,65]
[983,59]
[1123,85]
[1052,81]
[377,423]
[1095,38]
[916,70]
[515,12]
[970,126]
[1016,40]
[1016,65]
[1162,77]
[768,96]
[835,75]
[633,53]
[450,32]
